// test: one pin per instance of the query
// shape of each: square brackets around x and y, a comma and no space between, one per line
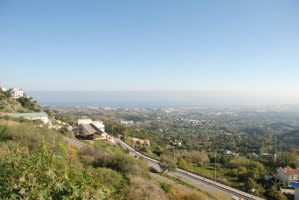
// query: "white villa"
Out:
[16,92]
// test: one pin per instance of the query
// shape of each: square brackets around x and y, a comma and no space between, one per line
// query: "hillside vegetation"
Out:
[36,163]
[22,104]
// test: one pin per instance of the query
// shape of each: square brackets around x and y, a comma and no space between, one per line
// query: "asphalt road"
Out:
[212,187]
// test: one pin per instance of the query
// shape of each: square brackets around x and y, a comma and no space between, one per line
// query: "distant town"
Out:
[245,149]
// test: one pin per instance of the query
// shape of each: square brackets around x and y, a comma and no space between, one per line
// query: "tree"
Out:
[252,187]
[182,163]
[29,104]
[196,157]
[64,129]
[199,158]
[241,172]
[122,163]
[167,164]
[288,159]
[275,195]
[255,173]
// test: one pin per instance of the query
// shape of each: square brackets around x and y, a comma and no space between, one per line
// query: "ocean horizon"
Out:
[147,99]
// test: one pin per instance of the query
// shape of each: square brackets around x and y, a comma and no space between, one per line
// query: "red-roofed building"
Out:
[287,174]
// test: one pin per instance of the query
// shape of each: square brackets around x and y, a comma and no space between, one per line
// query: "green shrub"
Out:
[110,178]
[28,135]
[122,163]
[167,163]
[44,175]
[166,187]
[29,104]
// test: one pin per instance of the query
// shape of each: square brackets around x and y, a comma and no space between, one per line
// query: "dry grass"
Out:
[141,189]
[180,192]
[7,122]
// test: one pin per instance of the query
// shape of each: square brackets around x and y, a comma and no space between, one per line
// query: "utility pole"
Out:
[215,167]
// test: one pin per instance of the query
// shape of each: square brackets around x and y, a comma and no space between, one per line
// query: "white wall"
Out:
[84,121]
[100,125]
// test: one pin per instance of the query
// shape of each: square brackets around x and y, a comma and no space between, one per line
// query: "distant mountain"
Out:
[282,125]
[254,131]
[294,133]
[277,128]
[291,137]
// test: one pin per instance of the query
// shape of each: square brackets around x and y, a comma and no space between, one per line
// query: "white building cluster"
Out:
[127,122]
[14,92]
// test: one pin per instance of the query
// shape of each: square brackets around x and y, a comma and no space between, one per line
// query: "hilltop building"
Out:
[32,116]
[16,92]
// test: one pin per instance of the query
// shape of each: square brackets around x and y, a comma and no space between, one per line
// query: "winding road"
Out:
[217,189]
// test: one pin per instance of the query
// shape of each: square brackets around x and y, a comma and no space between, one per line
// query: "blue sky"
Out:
[141,45]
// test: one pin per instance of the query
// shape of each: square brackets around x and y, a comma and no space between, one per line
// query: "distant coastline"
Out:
[153,99]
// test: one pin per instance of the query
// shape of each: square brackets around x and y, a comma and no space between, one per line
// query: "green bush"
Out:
[44,175]
[122,163]
[166,187]
[110,178]
[27,135]
[29,104]
[167,163]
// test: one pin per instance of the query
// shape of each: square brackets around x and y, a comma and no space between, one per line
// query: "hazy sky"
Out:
[122,45]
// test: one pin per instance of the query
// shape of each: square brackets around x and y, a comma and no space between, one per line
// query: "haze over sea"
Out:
[154,98]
